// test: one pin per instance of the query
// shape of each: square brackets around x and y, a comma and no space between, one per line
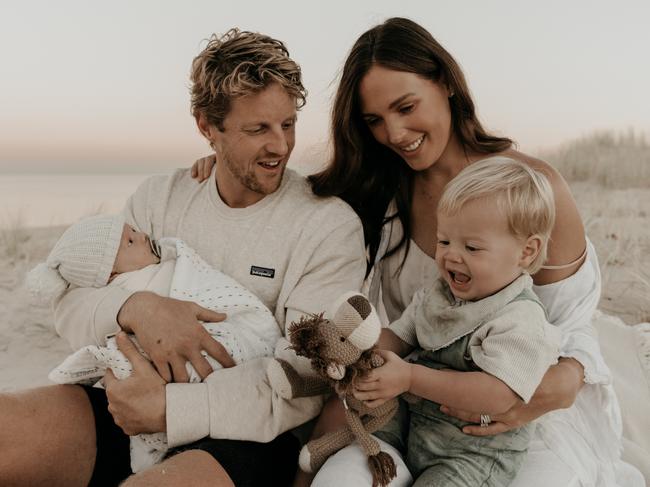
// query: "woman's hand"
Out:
[137,403]
[517,416]
[202,168]
[385,382]
[558,390]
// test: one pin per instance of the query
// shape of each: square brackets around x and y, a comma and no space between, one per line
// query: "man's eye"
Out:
[255,131]
[471,248]
[443,243]
[288,125]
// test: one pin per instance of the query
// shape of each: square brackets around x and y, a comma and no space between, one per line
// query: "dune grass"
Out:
[609,175]
[13,236]
[610,159]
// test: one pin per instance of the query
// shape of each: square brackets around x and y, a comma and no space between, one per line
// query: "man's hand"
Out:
[202,168]
[171,333]
[385,382]
[137,403]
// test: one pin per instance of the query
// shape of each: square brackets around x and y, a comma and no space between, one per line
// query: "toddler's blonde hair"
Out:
[523,194]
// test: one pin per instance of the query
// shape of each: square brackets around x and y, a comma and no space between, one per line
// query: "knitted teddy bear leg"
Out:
[381,464]
[314,454]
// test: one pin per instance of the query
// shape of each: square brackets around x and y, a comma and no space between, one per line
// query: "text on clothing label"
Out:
[262,272]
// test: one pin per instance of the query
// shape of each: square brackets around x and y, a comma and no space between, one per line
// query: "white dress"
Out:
[578,446]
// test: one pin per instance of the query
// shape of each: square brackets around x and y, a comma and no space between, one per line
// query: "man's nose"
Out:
[278,144]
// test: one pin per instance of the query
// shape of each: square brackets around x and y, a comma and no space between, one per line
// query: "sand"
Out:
[617,221]
[29,346]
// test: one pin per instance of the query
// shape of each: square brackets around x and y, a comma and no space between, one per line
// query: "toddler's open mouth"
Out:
[459,277]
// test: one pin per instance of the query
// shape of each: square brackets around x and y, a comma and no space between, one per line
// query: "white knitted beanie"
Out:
[83,256]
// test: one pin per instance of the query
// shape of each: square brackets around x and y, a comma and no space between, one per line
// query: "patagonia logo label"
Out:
[262,272]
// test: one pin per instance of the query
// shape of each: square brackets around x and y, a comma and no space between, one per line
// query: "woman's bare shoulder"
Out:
[568,237]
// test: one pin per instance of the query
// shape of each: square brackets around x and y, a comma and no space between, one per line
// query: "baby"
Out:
[483,336]
[105,251]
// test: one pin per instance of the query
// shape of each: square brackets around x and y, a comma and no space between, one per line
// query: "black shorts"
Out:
[248,463]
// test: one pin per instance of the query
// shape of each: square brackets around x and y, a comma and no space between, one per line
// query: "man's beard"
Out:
[248,179]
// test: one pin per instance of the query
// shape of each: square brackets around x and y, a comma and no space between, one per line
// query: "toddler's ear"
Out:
[530,251]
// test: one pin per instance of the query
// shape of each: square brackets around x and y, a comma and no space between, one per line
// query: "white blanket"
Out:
[250,330]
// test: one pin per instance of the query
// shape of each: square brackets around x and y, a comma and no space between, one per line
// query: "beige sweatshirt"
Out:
[295,251]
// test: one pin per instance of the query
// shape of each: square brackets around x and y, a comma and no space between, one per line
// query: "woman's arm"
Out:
[202,168]
[464,390]
[557,390]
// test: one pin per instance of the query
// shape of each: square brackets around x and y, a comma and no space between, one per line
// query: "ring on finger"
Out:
[485,420]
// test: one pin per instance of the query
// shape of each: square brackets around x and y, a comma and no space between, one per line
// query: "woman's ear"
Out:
[531,249]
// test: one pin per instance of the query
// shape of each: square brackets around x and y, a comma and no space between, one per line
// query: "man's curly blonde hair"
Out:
[240,63]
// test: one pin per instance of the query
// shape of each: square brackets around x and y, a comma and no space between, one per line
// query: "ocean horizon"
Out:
[43,200]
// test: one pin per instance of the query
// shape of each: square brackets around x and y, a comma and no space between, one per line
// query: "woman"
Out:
[404,125]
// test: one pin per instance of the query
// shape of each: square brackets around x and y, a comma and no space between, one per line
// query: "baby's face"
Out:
[476,253]
[134,252]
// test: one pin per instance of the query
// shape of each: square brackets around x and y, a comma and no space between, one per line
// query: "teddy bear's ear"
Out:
[305,337]
[357,320]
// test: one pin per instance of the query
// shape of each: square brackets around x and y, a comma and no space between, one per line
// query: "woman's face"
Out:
[407,113]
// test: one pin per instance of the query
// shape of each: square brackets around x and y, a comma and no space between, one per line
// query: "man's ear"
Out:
[206,129]
[530,251]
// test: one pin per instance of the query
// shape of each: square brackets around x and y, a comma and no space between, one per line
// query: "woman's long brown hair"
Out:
[363,172]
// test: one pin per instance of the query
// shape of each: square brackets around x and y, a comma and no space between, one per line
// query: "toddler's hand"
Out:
[385,382]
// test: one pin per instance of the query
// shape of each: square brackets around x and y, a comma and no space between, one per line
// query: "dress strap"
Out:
[565,266]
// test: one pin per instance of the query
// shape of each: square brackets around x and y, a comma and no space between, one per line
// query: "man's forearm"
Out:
[236,403]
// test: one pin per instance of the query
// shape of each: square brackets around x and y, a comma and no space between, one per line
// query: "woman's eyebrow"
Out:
[400,100]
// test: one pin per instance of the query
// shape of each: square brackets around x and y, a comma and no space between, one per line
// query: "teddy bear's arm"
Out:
[376,360]
[286,381]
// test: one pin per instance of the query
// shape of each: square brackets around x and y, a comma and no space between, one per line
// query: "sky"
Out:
[90,86]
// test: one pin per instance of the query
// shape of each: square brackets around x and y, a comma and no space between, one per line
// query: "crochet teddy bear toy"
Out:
[340,349]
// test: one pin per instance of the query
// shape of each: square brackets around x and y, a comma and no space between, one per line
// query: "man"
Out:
[255,221]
